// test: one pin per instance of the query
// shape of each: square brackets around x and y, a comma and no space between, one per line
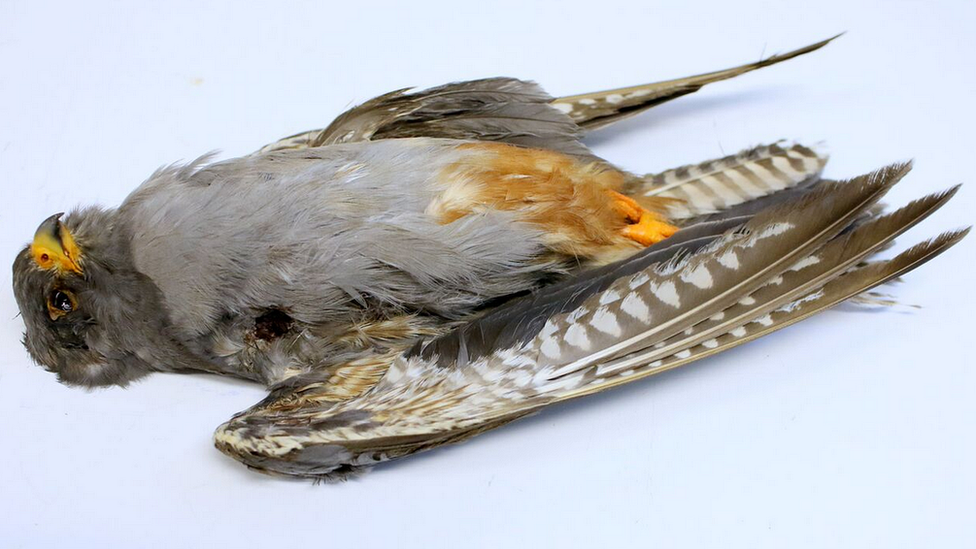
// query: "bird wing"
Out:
[507,110]
[491,109]
[711,287]
[598,109]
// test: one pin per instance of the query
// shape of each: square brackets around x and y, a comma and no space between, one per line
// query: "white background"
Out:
[854,429]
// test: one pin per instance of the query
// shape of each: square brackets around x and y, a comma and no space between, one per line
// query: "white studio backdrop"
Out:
[854,429]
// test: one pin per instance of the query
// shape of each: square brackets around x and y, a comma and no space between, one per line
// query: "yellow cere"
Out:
[59,251]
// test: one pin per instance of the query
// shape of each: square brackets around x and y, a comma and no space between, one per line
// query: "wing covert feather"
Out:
[781,266]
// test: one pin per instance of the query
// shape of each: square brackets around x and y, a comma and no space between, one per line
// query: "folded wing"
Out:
[709,288]
[507,110]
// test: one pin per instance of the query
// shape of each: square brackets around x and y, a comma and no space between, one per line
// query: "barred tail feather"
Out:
[717,185]
[781,266]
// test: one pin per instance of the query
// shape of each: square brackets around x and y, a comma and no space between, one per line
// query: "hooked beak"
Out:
[54,247]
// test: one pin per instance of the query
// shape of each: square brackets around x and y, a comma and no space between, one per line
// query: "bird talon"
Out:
[644,227]
[649,230]
[627,206]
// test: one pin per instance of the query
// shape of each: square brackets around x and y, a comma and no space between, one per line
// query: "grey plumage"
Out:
[491,109]
[779,267]
[120,334]
[210,237]
[435,264]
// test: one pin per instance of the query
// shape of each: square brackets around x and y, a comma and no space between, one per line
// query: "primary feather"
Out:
[778,267]
[421,270]
[507,110]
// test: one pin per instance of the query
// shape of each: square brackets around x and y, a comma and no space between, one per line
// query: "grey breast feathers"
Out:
[318,232]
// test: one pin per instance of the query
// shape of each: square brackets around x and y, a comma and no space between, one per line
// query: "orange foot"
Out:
[644,227]
[648,230]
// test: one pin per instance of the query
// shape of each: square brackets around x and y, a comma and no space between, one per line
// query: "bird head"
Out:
[76,296]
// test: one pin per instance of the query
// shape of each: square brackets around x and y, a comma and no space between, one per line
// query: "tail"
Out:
[675,303]
[598,109]
[718,185]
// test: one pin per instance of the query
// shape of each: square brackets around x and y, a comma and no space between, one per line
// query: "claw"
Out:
[649,230]
[644,227]
[627,206]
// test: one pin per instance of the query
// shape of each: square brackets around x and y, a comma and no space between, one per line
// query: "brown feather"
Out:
[566,197]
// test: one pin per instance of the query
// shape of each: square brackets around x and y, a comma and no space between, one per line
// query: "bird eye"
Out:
[60,303]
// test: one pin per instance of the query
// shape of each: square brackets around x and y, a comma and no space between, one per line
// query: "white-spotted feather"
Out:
[420,404]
